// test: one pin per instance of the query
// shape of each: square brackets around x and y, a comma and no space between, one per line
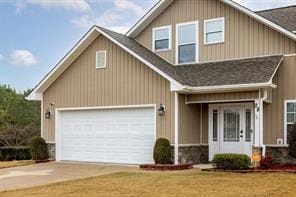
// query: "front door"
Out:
[230,129]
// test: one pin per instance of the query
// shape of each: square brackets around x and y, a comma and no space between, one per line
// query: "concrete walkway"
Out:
[45,173]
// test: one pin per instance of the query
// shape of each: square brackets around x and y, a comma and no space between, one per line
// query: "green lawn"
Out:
[185,183]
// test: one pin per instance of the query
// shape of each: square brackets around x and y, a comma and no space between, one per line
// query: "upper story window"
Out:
[214,31]
[290,118]
[101,59]
[161,38]
[187,43]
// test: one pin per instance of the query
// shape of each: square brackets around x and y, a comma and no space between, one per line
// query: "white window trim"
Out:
[196,44]
[285,120]
[105,56]
[223,30]
[169,27]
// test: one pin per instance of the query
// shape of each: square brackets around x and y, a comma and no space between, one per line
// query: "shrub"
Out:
[38,148]
[231,161]
[23,153]
[14,153]
[162,151]
[292,142]
[266,162]
[8,153]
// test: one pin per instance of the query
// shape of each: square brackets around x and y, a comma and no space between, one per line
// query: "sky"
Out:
[36,34]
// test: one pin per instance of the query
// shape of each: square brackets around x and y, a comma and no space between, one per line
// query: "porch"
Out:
[225,122]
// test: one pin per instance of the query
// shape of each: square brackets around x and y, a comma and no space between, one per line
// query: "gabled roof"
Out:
[239,73]
[162,4]
[130,45]
[284,16]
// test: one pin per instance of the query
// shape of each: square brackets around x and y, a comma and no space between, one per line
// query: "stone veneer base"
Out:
[193,154]
[51,150]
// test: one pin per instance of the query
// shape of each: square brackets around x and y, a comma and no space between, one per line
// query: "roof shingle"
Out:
[284,17]
[230,72]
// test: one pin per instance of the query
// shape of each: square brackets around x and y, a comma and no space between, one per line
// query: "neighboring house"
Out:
[211,76]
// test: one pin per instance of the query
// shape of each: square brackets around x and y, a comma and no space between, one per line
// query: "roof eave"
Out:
[228,88]
[148,17]
[162,4]
[263,20]
[67,59]
[76,50]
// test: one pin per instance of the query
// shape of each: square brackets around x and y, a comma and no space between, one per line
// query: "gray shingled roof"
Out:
[239,71]
[284,17]
[231,72]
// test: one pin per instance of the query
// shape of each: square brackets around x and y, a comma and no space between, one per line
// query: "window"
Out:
[187,45]
[214,31]
[290,118]
[215,125]
[161,38]
[248,125]
[101,59]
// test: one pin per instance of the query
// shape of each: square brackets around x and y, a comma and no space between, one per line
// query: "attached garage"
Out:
[110,135]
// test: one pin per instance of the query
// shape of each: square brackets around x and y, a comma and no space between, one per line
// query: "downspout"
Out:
[176,147]
[261,120]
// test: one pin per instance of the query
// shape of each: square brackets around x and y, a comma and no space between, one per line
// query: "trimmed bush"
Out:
[231,161]
[38,148]
[162,151]
[14,153]
[292,142]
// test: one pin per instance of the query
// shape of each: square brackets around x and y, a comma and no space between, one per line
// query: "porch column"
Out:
[257,123]
[176,147]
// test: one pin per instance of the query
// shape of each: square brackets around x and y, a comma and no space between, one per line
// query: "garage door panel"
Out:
[109,135]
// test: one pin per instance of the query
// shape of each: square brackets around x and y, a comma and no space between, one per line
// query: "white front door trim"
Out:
[215,145]
[58,111]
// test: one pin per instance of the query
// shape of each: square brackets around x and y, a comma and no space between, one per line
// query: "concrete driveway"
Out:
[45,173]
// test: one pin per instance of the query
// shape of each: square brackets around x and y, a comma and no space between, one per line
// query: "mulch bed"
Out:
[165,167]
[284,167]
[275,168]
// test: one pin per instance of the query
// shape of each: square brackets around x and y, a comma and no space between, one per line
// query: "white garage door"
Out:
[106,135]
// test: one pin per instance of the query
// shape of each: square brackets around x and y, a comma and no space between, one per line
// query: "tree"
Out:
[19,118]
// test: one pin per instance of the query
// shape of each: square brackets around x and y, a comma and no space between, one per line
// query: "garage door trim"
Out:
[58,120]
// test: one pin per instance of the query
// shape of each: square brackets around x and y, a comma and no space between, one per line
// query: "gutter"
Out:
[223,88]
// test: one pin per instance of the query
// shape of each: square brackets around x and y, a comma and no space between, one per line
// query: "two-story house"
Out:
[209,75]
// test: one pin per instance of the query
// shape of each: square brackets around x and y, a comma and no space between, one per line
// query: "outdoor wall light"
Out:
[161,110]
[48,113]
[257,108]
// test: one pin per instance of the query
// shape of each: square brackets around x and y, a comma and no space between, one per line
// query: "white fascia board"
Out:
[148,17]
[223,88]
[260,18]
[141,59]
[162,4]
[34,95]
[37,90]
[275,71]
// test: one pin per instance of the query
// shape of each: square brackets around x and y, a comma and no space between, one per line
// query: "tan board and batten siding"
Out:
[244,37]
[125,81]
